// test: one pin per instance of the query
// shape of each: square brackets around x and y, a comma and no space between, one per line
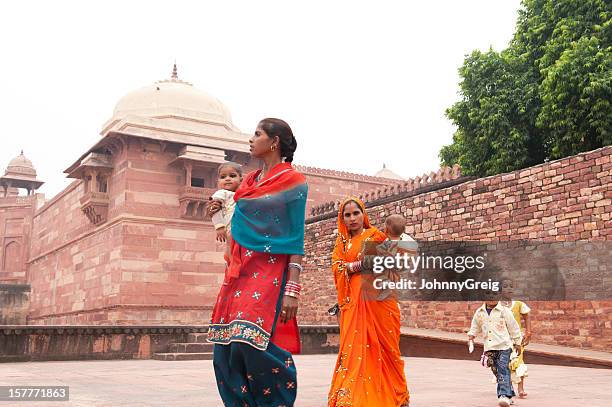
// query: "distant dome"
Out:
[387,173]
[173,97]
[20,165]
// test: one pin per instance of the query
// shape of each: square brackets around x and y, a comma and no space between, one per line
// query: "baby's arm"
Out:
[218,218]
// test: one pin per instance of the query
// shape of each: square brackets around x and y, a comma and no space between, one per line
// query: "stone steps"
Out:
[197,337]
[183,356]
[190,347]
[196,348]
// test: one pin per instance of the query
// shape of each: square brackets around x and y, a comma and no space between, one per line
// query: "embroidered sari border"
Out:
[239,331]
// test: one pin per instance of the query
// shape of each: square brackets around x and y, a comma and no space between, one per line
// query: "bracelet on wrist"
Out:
[293,288]
[297,266]
[354,267]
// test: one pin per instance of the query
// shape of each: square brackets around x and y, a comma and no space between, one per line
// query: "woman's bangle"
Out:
[297,266]
[293,289]
[354,267]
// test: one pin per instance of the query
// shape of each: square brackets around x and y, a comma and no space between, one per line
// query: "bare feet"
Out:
[521,390]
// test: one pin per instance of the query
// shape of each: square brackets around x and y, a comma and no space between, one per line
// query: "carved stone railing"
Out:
[193,201]
[345,175]
[442,179]
[19,200]
[95,206]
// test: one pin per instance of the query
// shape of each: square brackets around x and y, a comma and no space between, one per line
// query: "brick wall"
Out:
[564,200]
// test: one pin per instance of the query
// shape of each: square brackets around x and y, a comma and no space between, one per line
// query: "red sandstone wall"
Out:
[15,222]
[144,265]
[170,268]
[328,185]
[569,199]
[71,261]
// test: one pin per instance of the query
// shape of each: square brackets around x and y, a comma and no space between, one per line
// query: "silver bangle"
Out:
[297,266]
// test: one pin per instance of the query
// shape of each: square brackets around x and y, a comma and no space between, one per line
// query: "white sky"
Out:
[360,83]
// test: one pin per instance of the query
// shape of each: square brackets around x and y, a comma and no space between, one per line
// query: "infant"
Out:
[398,242]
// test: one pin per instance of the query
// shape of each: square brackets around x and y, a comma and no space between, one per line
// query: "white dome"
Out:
[173,97]
[387,173]
[20,165]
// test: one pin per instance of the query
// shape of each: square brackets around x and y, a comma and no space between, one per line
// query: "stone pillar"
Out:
[188,169]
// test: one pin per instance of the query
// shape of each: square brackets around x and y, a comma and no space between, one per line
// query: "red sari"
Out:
[252,353]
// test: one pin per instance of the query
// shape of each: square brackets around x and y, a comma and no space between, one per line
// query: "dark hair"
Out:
[230,164]
[351,201]
[280,128]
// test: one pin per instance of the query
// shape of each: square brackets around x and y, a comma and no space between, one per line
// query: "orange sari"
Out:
[369,370]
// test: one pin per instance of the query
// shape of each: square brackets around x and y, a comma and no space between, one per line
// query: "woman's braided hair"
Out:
[280,128]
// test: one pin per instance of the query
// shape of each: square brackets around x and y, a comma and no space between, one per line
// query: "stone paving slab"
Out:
[605,358]
[432,382]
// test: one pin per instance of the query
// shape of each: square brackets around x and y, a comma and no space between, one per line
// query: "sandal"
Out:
[522,394]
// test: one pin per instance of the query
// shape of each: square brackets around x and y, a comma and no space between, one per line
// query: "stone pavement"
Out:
[432,382]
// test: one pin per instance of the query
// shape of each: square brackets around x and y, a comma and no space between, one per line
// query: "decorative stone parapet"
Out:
[95,206]
[193,201]
[391,193]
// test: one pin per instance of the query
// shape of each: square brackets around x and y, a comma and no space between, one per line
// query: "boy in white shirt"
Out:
[501,334]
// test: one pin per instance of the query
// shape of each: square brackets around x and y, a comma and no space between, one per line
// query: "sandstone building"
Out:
[127,242]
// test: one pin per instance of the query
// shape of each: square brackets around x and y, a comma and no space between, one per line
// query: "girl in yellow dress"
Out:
[520,310]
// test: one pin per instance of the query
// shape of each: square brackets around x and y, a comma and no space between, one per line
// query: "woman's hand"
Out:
[221,235]
[213,207]
[289,308]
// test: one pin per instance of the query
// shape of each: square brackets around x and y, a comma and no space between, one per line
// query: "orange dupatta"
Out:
[369,370]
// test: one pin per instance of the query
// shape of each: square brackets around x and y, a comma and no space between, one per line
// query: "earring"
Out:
[273,147]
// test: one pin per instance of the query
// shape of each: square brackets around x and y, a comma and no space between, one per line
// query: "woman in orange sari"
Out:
[369,370]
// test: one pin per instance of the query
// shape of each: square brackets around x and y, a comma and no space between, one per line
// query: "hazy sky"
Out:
[361,83]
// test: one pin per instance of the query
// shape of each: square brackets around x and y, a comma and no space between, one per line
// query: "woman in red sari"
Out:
[369,370]
[253,323]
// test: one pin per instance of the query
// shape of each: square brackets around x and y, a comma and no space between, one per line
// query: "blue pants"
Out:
[249,377]
[504,382]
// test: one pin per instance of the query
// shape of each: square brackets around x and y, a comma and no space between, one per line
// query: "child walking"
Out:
[501,334]
[520,311]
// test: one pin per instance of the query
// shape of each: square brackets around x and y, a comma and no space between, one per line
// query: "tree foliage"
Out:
[546,96]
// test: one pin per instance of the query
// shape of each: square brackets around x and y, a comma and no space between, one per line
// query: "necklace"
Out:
[350,243]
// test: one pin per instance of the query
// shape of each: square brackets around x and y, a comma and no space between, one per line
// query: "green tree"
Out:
[546,96]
